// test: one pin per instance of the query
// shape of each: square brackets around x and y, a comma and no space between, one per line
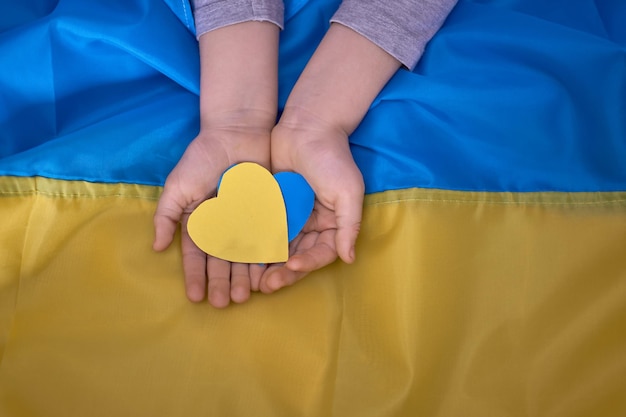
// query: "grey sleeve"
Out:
[213,14]
[400,27]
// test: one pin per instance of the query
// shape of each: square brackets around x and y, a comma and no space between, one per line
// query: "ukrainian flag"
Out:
[491,270]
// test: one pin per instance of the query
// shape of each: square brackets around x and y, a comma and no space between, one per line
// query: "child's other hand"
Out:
[322,155]
[325,106]
[193,180]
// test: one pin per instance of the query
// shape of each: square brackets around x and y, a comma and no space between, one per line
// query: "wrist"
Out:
[227,145]
[251,120]
[300,118]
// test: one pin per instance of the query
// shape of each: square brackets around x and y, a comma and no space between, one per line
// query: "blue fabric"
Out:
[509,96]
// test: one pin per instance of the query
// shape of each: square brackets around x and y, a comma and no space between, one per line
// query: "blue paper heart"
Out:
[299,199]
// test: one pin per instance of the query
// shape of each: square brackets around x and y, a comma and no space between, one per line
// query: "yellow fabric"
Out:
[460,304]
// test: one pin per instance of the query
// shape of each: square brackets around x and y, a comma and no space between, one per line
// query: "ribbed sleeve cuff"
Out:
[214,14]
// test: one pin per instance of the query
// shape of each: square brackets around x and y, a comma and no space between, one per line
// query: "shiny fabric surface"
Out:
[509,96]
[469,304]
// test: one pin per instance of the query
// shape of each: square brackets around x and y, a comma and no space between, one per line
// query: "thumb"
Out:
[166,218]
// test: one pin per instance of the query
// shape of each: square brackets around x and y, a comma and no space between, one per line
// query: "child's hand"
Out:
[193,180]
[322,155]
[327,103]
[238,104]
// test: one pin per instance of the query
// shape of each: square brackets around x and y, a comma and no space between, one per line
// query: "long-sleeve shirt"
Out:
[401,27]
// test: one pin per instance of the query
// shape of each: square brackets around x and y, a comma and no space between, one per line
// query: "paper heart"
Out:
[254,215]
[246,222]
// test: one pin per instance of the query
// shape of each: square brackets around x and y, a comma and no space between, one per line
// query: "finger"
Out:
[256,272]
[166,217]
[279,276]
[314,251]
[194,267]
[348,209]
[239,282]
[313,255]
[218,272]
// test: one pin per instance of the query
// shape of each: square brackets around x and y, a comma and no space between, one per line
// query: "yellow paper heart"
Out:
[246,222]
